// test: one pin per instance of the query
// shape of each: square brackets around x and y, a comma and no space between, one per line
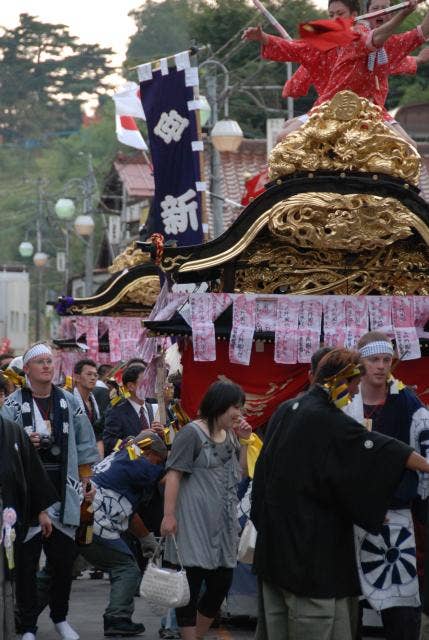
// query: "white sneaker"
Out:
[65,631]
[28,636]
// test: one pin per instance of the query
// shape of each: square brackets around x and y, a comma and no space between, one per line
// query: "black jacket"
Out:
[122,421]
[319,473]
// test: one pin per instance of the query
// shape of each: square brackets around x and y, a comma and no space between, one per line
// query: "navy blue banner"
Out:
[172,128]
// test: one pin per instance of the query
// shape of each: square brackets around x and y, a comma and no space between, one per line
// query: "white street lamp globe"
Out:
[205,110]
[84,225]
[65,209]
[226,135]
[25,249]
[40,259]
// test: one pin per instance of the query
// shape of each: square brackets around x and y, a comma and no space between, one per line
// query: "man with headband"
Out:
[64,439]
[318,474]
[387,562]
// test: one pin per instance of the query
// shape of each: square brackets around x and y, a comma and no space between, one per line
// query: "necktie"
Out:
[143,420]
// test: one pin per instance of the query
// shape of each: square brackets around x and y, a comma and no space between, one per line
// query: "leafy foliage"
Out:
[46,75]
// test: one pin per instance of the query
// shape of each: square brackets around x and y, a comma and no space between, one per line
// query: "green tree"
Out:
[218,25]
[46,75]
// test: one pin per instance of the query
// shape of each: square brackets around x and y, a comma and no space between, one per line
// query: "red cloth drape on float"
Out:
[266,383]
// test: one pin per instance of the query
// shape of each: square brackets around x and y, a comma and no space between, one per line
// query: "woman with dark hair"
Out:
[201,502]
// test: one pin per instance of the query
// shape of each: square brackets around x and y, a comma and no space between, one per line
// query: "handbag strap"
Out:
[158,550]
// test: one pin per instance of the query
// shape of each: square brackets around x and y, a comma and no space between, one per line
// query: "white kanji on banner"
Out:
[178,213]
[171,126]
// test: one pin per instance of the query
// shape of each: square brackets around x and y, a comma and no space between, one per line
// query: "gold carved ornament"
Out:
[399,269]
[142,292]
[130,257]
[333,221]
[346,133]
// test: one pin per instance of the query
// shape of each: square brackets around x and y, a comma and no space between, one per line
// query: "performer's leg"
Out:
[27,559]
[124,576]
[401,623]
[61,552]
[318,618]
[274,621]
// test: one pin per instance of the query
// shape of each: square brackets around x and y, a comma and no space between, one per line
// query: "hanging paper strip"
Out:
[356,310]
[407,341]
[114,340]
[68,360]
[203,330]
[334,321]
[286,330]
[266,314]
[170,107]
[67,328]
[129,331]
[421,313]
[243,329]
[309,325]
[89,327]
[380,314]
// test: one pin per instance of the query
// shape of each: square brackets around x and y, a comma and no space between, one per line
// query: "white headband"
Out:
[376,348]
[38,349]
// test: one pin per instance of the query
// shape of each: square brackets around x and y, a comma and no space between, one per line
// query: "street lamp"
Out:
[226,135]
[84,225]
[65,209]
[25,249]
[40,259]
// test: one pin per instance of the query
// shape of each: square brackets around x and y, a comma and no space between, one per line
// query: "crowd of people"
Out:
[339,488]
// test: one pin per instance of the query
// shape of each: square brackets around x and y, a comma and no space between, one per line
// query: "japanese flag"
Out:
[127,101]
[128,133]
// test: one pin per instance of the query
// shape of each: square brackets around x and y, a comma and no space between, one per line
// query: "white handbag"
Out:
[247,544]
[165,588]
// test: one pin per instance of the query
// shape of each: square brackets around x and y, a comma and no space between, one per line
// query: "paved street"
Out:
[88,601]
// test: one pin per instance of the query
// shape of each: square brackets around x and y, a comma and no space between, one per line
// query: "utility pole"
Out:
[88,190]
[39,288]
[215,163]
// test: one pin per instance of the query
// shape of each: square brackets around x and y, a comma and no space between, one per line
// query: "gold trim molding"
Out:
[346,134]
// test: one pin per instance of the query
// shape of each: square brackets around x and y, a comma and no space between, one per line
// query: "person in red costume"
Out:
[362,66]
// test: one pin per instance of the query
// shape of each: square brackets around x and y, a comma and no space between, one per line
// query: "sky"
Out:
[102,22]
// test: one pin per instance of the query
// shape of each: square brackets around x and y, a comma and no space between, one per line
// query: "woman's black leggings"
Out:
[207,598]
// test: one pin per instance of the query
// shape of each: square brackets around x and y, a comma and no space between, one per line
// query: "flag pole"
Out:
[192,52]
[385,12]
[271,19]
[284,34]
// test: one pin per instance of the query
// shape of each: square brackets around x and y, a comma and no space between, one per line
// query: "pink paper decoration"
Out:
[309,324]
[380,313]
[403,317]
[334,321]
[203,331]
[243,329]
[356,312]
[286,330]
[421,314]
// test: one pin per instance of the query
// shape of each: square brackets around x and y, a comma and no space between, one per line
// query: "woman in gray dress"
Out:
[200,505]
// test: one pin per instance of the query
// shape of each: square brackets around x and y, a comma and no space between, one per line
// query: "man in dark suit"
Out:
[131,416]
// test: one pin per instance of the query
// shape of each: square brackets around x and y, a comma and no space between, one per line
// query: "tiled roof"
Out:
[250,159]
[136,176]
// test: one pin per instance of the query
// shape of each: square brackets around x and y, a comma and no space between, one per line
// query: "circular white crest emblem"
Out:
[368,444]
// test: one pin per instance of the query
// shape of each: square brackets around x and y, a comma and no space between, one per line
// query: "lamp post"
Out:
[84,227]
[226,135]
[65,210]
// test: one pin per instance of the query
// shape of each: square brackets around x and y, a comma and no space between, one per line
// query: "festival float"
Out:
[335,246]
